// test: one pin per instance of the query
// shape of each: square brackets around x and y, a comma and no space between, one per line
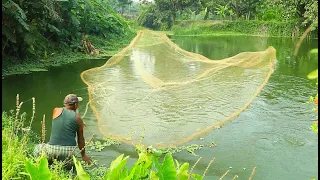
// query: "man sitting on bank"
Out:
[66,126]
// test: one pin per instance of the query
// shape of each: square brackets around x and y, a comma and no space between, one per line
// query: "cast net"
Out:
[155,89]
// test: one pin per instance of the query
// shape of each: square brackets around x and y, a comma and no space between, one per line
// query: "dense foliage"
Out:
[36,28]
[300,12]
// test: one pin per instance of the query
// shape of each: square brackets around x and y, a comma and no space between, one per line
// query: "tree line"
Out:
[162,14]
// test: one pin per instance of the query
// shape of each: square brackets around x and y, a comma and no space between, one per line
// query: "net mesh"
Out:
[170,96]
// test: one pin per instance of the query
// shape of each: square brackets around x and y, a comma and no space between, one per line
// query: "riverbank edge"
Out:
[230,34]
[109,48]
[239,28]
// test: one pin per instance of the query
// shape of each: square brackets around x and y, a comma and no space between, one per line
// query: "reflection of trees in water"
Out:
[144,59]
[218,47]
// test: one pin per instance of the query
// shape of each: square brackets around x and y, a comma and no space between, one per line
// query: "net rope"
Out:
[172,95]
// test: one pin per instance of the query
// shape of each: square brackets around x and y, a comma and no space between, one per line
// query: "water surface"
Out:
[273,134]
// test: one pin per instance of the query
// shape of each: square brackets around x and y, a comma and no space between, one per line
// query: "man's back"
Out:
[64,127]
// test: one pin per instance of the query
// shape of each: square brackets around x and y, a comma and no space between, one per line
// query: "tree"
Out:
[222,10]
[123,4]
[208,5]
[34,28]
[294,9]
[245,8]
[173,6]
[311,14]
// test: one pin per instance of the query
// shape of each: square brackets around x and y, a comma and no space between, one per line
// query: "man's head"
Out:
[72,100]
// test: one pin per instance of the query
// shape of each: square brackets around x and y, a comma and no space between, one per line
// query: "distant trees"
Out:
[124,4]
[269,10]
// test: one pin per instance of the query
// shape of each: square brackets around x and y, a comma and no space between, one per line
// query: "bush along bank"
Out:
[35,35]
[242,27]
[107,48]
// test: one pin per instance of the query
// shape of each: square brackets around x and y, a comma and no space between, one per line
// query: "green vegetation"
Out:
[245,17]
[241,27]
[111,47]
[38,28]
[314,75]
[44,33]
[148,166]
[17,146]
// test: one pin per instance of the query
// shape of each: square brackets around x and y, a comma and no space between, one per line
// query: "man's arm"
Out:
[81,142]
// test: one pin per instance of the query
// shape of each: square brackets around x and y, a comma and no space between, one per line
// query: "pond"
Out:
[273,134]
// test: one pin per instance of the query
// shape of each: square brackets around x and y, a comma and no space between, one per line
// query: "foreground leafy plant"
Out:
[314,75]
[38,171]
[80,171]
[148,166]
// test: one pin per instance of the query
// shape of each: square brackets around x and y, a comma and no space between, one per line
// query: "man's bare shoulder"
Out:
[56,112]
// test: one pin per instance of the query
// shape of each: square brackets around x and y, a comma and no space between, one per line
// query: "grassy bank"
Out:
[252,28]
[64,56]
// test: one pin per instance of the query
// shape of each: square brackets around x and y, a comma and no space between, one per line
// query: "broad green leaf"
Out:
[156,163]
[124,173]
[196,176]
[138,172]
[9,34]
[167,170]
[132,171]
[314,51]
[313,74]
[153,176]
[116,166]
[80,171]
[147,159]
[182,172]
[143,165]
[75,21]
[31,169]
[177,164]
[53,28]
[44,171]
[38,173]
[116,162]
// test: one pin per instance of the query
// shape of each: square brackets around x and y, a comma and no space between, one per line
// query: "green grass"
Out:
[13,151]
[251,28]
[17,146]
